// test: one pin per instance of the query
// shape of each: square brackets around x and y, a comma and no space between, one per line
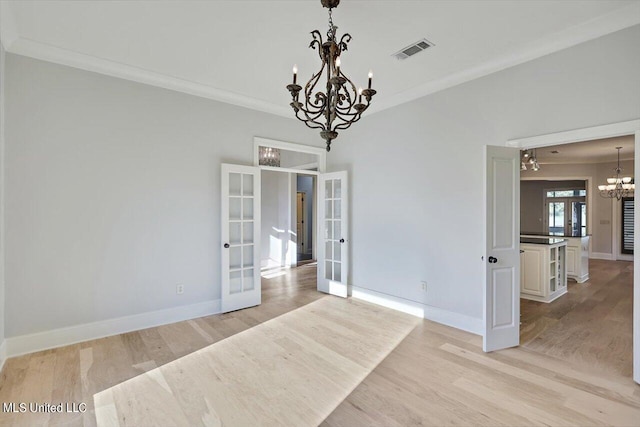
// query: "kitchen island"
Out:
[577,254]
[543,268]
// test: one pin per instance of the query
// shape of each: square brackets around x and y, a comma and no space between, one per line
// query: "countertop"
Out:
[542,240]
[576,234]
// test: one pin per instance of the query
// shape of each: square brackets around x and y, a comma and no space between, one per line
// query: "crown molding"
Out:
[33,49]
[606,24]
[614,21]
[8,32]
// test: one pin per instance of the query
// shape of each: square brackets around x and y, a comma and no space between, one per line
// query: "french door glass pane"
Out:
[247,185]
[247,208]
[556,218]
[235,257]
[337,273]
[247,232]
[247,280]
[234,233]
[235,184]
[578,217]
[235,282]
[235,208]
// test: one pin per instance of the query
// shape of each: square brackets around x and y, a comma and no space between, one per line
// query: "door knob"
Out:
[341,240]
[226,246]
[493,260]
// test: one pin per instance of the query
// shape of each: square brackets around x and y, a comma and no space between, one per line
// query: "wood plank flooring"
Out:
[436,376]
[591,324]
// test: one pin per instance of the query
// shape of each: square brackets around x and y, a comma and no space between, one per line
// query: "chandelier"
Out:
[268,156]
[529,156]
[336,105]
[617,187]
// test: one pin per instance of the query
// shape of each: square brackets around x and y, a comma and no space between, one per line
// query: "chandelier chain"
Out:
[331,33]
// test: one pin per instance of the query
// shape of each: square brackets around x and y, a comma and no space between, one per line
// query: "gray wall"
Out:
[532,209]
[306,185]
[276,219]
[113,193]
[417,170]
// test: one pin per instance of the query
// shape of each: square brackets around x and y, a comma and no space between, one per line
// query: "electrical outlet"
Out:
[423,285]
[179,289]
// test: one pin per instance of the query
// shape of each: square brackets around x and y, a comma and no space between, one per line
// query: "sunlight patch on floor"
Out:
[291,370]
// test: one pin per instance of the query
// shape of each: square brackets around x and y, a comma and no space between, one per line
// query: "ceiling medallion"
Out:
[339,104]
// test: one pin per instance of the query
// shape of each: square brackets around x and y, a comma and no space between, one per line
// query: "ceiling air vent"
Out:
[412,49]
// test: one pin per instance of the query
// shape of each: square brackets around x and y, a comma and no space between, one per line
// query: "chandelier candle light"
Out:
[340,104]
[617,187]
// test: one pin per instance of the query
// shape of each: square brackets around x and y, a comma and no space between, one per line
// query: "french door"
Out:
[240,234]
[333,248]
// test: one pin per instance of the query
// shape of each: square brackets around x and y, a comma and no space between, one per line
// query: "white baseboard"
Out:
[3,354]
[439,315]
[601,255]
[16,346]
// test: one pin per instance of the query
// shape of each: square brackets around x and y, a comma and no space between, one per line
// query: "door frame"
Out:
[306,169]
[631,127]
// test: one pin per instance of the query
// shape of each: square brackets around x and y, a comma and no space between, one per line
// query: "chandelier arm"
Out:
[317,41]
[316,125]
[311,116]
[310,87]
[347,124]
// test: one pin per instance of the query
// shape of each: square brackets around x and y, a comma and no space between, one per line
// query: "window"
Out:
[627,226]
[566,212]
[567,193]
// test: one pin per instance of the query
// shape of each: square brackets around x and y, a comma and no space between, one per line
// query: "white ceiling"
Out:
[242,51]
[598,151]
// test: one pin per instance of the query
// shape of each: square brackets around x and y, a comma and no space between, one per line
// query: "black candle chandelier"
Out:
[340,104]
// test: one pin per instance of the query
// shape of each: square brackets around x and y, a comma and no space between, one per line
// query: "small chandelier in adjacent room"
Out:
[618,186]
[529,157]
[268,156]
[337,104]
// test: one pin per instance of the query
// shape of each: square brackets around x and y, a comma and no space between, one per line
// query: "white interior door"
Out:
[240,237]
[502,258]
[333,260]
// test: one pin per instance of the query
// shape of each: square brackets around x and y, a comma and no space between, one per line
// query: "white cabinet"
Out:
[577,254]
[543,269]
[578,258]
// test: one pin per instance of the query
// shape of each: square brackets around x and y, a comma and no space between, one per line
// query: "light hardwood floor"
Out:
[435,376]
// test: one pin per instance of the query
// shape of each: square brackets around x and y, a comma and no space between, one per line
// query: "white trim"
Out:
[616,20]
[290,146]
[16,346]
[435,314]
[306,166]
[3,354]
[601,255]
[577,135]
[288,170]
[636,271]
[45,52]
[606,24]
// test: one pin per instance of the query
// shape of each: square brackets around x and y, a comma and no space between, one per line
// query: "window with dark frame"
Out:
[627,226]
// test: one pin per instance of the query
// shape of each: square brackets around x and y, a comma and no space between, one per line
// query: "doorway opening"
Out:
[604,325]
